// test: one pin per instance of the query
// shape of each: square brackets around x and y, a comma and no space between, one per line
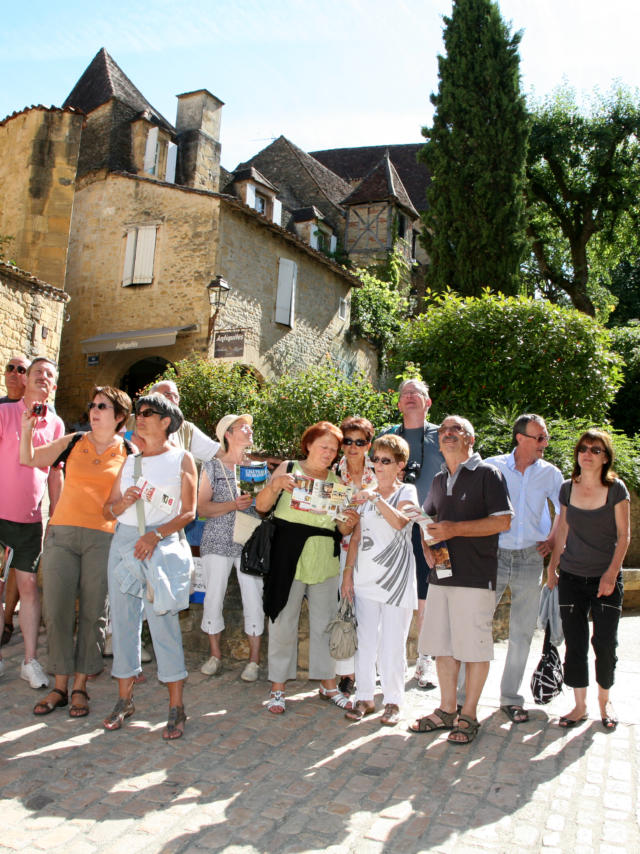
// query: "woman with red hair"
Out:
[304,562]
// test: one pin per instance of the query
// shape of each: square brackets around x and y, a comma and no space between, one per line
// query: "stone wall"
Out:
[31,315]
[38,160]
[368,231]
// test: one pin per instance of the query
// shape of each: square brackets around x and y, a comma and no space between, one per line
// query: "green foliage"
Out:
[583,176]
[624,284]
[282,408]
[378,309]
[503,351]
[476,152]
[625,412]
[493,436]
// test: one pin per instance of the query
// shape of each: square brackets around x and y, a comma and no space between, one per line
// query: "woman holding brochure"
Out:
[380,578]
[304,561]
[153,498]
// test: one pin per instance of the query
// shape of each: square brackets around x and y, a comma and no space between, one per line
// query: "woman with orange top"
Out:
[76,547]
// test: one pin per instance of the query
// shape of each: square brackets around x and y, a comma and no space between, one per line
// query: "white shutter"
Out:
[172,153]
[251,195]
[333,243]
[151,152]
[313,235]
[286,295]
[277,211]
[145,251]
[129,257]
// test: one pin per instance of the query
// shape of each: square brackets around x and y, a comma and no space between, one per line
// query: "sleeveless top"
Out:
[164,471]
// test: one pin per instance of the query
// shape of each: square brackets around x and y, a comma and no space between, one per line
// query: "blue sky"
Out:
[331,74]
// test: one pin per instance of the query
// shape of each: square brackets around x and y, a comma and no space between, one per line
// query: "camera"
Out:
[412,471]
[39,409]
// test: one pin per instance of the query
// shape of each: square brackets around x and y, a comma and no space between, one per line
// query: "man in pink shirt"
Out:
[20,500]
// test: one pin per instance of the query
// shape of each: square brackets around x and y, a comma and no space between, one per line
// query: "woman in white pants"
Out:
[218,501]
[380,576]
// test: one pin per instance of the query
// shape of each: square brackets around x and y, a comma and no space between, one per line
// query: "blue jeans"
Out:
[521,571]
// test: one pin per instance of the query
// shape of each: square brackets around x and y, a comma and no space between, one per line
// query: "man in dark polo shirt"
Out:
[470,500]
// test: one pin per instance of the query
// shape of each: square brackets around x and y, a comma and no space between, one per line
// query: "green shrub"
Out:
[508,352]
[625,412]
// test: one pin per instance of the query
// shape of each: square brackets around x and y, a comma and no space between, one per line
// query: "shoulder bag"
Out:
[546,682]
[342,630]
[256,553]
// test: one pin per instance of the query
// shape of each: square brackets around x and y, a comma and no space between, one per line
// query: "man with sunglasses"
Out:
[532,482]
[15,379]
[424,463]
[20,502]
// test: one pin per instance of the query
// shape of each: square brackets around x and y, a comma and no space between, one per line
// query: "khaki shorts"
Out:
[458,622]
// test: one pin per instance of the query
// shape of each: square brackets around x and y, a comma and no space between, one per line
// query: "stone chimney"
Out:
[198,128]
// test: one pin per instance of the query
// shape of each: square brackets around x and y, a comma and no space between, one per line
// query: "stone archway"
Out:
[141,373]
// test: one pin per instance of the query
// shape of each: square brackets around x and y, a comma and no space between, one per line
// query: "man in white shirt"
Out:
[188,436]
[532,483]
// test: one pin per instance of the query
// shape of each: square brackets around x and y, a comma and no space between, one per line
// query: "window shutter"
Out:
[333,243]
[172,153]
[277,211]
[343,308]
[151,152]
[145,251]
[251,195]
[285,298]
[129,257]
[313,235]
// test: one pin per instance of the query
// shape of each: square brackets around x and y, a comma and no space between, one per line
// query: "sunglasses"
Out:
[385,461]
[450,428]
[359,443]
[591,449]
[147,413]
[100,406]
[539,439]
[19,368]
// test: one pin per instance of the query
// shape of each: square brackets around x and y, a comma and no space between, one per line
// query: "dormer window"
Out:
[261,204]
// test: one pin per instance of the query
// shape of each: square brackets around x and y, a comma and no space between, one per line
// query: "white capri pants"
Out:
[217,569]
[382,635]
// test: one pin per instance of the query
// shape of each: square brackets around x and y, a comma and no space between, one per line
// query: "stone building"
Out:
[134,218]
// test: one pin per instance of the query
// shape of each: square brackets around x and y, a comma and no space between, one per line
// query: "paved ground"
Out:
[242,780]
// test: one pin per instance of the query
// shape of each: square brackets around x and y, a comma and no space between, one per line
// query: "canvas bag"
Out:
[342,630]
[244,524]
[547,680]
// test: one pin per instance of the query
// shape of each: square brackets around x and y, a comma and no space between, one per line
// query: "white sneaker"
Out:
[33,673]
[212,666]
[426,673]
[251,672]
[145,655]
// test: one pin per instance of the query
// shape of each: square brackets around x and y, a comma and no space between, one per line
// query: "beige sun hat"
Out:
[227,421]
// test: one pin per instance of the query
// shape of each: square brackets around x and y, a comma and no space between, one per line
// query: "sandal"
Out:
[391,715]
[360,710]
[45,708]
[276,704]
[176,718]
[124,708]
[76,711]
[609,721]
[469,731]
[516,714]
[428,724]
[568,723]
[335,696]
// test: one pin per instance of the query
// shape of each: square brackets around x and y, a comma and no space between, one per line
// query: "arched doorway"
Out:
[142,373]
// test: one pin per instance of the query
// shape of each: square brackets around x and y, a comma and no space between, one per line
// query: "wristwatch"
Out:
[158,534]
[374,500]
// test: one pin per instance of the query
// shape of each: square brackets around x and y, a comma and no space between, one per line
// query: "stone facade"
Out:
[31,315]
[38,161]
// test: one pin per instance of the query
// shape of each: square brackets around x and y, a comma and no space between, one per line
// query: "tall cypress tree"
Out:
[476,153]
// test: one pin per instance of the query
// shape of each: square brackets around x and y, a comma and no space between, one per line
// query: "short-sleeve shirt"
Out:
[593,535]
[386,568]
[479,490]
[22,487]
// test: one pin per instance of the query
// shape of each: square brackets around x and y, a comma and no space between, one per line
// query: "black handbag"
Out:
[547,680]
[256,552]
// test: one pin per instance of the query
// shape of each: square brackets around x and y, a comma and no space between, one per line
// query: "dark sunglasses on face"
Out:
[19,368]
[591,449]
[538,439]
[360,443]
[100,406]
[147,413]
[384,460]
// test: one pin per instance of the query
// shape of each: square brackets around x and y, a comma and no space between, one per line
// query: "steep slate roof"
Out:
[301,180]
[102,80]
[353,164]
[382,183]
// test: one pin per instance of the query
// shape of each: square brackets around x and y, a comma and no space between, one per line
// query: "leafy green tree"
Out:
[476,152]
[624,284]
[504,351]
[625,412]
[583,176]
[378,309]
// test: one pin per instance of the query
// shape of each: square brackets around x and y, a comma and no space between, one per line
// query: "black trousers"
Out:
[578,596]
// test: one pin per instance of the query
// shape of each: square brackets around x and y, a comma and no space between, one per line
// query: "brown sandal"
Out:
[427,723]
[391,715]
[44,708]
[176,717]
[359,711]
[124,708]
[76,711]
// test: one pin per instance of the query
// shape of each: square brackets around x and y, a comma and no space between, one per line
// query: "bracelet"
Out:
[375,499]
[158,534]
[347,566]
[110,509]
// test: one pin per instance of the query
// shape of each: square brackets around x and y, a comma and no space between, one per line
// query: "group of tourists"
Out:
[121,494]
